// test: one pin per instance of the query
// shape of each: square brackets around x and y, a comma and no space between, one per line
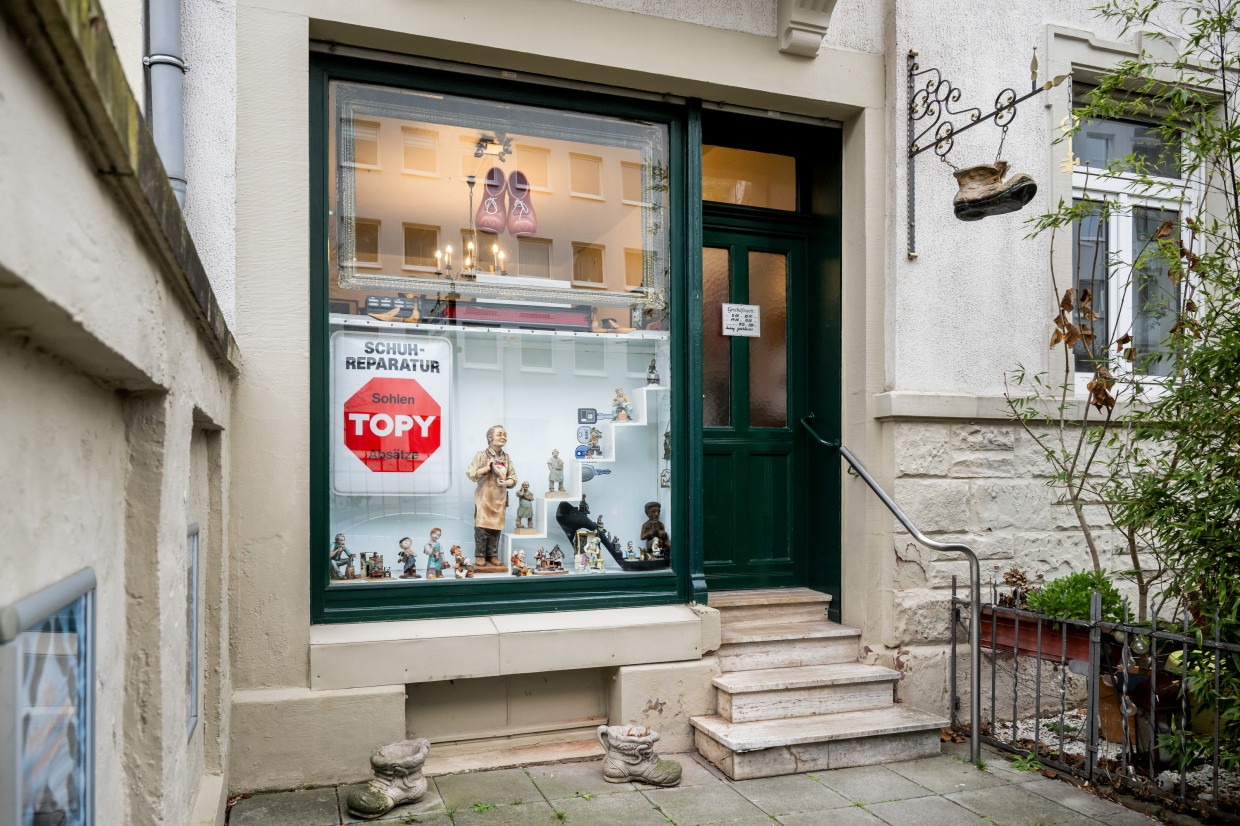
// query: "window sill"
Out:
[369,654]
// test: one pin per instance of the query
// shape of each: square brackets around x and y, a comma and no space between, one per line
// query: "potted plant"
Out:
[1064,598]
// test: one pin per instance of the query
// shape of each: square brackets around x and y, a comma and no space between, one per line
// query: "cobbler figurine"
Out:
[525,510]
[652,373]
[493,473]
[341,561]
[621,407]
[434,553]
[555,477]
[653,530]
[556,558]
[519,568]
[593,448]
[461,565]
[408,558]
[540,558]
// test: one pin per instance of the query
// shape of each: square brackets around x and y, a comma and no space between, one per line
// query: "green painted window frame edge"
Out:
[382,602]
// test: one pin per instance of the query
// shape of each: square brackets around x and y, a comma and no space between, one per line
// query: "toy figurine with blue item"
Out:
[434,553]
[408,558]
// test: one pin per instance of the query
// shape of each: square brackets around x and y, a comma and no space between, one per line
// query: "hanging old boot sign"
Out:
[984,191]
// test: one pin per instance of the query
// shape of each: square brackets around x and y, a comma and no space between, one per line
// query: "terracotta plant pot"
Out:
[1003,638]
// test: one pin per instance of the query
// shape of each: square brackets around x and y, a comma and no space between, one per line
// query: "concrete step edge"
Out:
[800,677]
[791,731]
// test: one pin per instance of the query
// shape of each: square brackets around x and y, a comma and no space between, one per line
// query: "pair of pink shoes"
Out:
[492,216]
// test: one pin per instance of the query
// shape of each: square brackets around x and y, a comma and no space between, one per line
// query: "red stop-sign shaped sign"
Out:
[392,425]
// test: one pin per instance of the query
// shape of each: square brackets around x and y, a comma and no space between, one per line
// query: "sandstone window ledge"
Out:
[899,405]
[359,655]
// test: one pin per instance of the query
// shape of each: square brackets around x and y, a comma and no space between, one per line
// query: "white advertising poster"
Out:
[742,320]
[390,419]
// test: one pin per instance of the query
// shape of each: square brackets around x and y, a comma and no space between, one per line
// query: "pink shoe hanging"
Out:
[491,215]
[521,217]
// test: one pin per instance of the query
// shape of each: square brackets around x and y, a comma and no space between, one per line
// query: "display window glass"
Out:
[498,364]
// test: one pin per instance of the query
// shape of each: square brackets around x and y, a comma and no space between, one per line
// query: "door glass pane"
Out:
[1157,297]
[768,353]
[740,176]
[716,347]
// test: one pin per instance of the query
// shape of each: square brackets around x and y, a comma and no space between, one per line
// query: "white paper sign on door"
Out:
[742,320]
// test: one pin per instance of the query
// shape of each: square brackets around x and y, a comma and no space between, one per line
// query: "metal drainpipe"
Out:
[165,97]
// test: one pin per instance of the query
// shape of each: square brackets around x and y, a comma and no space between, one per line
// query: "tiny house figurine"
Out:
[653,530]
[398,779]
[629,756]
[525,511]
[652,373]
[555,477]
[434,553]
[621,406]
[340,560]
[493,473]
[408,558]
[462,566]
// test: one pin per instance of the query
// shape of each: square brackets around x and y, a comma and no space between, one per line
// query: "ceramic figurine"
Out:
[493,473]
[525,510]
[592,446]
[434,553]
[409,558]
[667,444]
[665,478]
[398,779]
[341,561]
[629,756]
[374,567]
[519,568]
[629,553]
[540,558]
[462,566]
[555,477]
[621,407]
[555,559]
[653,530]
[652,373]
[598,557]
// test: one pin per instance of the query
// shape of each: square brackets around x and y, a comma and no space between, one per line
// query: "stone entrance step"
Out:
[768,748]
[770,605]
[753,645]
[775,693]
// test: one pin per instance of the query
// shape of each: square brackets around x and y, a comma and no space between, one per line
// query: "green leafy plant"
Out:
[559,815]
[1056,727]
[482,807]
[583,795]
[1069,597]
[1026,763]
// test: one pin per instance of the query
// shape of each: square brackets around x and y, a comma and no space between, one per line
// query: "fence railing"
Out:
[1122,709]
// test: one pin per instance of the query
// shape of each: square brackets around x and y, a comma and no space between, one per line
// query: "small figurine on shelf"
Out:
[555,559]
[525,511]
[667,444]
[519,568]
[540,558]
[656,550]
[341,561]
[629,553]
[652,372]
[434,553]
[493,473]
[653,530]
[621,407]
[375,569]
[665,478]
[462,565]
[593,448]
[598,557]
[555,477]
[409,558]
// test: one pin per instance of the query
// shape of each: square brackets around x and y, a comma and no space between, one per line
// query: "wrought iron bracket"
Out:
[935,101]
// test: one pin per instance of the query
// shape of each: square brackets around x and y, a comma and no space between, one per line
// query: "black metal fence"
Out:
[1123,704]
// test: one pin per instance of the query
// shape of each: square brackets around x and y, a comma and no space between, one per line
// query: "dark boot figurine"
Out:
[984,192]
[398,779]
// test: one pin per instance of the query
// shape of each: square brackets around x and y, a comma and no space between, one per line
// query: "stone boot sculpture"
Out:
[398,779]
[629,755]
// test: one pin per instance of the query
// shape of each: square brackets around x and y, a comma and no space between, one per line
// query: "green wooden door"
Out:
[754,395]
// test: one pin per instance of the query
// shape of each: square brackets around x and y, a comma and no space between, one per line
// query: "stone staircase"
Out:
[793,698]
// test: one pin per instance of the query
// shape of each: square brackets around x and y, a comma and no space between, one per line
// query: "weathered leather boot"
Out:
[398,779]
[983,191]
[629,755]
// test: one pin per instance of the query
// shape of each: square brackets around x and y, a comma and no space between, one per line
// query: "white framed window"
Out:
[585,176]
[421,242]
[1114,246]
[534,257]
[365,144]
[421,150]
[535,162]
[631,190]
[588,264]
[634,268]
[366,242]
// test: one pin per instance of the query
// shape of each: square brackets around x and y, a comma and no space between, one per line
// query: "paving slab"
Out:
[503,787]
[851,816]
[1015,805]
[790,794]
[428,805]
[1087,804]
[567,780]
[303,807]
[539,813]
[871,784]
[943,775]
[713,804]
[692,773]
[926,811]
[629,807]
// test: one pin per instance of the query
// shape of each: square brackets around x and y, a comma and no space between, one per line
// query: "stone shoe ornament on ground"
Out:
[398,779]
[629,755]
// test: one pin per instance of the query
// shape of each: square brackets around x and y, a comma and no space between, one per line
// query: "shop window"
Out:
[420,245]
[534,257]
[47,698]
[193,618]
[498,333]
[366,242]
[535,162]
[585,176]
[587,264]
[748,178]
[421,150]
[365,144]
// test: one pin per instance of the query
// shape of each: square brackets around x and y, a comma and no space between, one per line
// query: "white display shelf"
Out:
[359,322]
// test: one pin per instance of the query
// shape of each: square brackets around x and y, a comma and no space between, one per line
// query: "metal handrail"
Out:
[975,584]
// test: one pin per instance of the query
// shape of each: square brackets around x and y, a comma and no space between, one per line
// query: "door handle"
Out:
[805,422]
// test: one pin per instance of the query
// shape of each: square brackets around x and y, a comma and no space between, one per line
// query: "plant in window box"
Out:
[1065,598]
